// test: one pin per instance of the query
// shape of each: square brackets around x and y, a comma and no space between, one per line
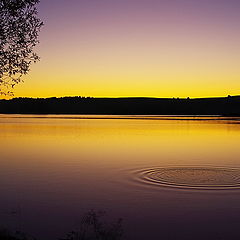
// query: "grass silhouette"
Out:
[92,227]
[7,235]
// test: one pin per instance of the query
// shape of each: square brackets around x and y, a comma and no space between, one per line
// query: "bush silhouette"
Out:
[93,227]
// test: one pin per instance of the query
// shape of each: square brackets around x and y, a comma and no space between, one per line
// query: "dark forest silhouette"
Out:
[225,106]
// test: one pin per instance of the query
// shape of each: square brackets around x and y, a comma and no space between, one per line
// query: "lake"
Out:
[167,177]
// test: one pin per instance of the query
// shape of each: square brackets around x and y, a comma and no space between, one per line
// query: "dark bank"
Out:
[224,106]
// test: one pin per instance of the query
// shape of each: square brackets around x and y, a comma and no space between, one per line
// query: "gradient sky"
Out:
[154,48]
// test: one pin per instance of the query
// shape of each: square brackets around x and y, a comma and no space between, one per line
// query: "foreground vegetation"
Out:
[92,227]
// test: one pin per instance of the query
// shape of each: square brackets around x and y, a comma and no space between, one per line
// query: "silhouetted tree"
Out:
[93,227]
[19,29]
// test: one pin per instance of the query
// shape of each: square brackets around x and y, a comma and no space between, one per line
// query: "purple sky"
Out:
[140,47]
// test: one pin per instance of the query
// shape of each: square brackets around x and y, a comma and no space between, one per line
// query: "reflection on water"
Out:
[55,168]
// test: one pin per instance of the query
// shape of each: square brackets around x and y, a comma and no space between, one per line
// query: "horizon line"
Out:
[106,97]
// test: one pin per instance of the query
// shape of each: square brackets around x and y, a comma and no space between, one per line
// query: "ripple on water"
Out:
[192,177]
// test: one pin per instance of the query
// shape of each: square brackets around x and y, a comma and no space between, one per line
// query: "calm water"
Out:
[167,177]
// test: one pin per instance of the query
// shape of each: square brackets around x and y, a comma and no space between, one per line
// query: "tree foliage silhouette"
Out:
[19,29]
[93,227]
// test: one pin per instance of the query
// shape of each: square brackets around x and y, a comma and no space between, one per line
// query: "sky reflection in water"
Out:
[55,168]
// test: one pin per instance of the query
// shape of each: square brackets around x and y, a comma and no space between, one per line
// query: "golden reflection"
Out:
[120,142]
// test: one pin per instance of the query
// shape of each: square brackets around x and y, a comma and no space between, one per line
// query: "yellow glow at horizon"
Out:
[117,68]
[146,82]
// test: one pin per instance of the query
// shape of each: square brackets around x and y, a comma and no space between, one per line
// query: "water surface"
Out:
[167,177]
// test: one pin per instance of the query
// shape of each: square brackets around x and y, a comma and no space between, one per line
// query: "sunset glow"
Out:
[153,48]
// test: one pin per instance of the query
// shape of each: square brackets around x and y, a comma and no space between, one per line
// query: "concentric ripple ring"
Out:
[192,177]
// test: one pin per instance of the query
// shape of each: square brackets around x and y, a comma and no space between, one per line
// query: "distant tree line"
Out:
[227,106]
